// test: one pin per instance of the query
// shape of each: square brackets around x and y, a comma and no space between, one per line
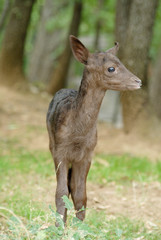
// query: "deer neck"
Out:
[88,101]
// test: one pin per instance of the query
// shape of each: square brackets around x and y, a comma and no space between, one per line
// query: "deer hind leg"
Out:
[78,186]
[62,187]
[61,168]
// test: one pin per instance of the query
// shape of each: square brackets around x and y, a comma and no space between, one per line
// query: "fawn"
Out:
[72,118]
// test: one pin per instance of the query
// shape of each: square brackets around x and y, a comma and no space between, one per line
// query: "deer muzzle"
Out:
[136,82]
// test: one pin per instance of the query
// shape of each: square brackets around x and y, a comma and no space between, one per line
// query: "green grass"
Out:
[121,169]
[24,161]
[23,206]
[21,168]
[120,227]
[96,226]
[124,169]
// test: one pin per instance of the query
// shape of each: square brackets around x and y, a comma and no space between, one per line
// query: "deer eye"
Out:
[111,69]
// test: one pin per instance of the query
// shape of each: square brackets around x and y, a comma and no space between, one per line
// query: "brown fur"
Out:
[72,117]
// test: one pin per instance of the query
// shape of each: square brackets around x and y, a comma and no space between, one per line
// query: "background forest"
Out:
[124,187]
[39,52]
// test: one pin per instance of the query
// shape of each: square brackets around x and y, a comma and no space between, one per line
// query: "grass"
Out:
[105,168]
[121,228]
[22,170]
[18,159]
[124,169]
[96,226]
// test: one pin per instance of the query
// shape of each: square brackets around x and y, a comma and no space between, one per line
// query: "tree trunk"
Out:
[4,13]
[47,40]
[134,54]
[122,19]
[11,58]
[59,76]
[155,88]
[98,25]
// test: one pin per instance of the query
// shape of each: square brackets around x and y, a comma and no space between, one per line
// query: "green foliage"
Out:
[68,204]
[92,12]
[61,19]
[2,6]
[33,26]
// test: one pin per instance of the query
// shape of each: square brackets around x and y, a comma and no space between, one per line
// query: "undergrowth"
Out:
[97,226]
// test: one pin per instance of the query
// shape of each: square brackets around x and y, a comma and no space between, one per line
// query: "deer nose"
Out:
[138,81]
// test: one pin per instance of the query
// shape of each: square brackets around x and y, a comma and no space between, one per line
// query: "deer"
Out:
[72,121]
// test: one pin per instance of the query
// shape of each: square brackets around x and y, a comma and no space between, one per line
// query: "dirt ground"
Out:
[20,113]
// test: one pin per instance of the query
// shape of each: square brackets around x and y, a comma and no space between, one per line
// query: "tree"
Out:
[134,25]
[48,39]
[11,58]
[99,23]
[155,87]
[59,75]
[4,14]
[122,20]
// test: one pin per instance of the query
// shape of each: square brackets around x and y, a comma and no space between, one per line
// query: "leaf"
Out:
[68,203]
[82,209]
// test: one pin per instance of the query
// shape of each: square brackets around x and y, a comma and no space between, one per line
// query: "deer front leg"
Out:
[62,188]
[78,186]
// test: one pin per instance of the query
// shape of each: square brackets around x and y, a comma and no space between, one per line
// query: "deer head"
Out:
[106,69]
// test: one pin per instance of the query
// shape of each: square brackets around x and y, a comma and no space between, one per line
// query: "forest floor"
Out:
[22,123]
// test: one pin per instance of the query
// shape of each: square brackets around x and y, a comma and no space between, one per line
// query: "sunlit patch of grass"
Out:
[124,169]
[24,161]
[22,205]
[105,168]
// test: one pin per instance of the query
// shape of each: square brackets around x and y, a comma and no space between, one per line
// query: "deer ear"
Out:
[80,52]
[114,49]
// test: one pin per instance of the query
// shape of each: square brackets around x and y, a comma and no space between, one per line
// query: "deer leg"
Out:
[78,186]
[62,188]
[61,168]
